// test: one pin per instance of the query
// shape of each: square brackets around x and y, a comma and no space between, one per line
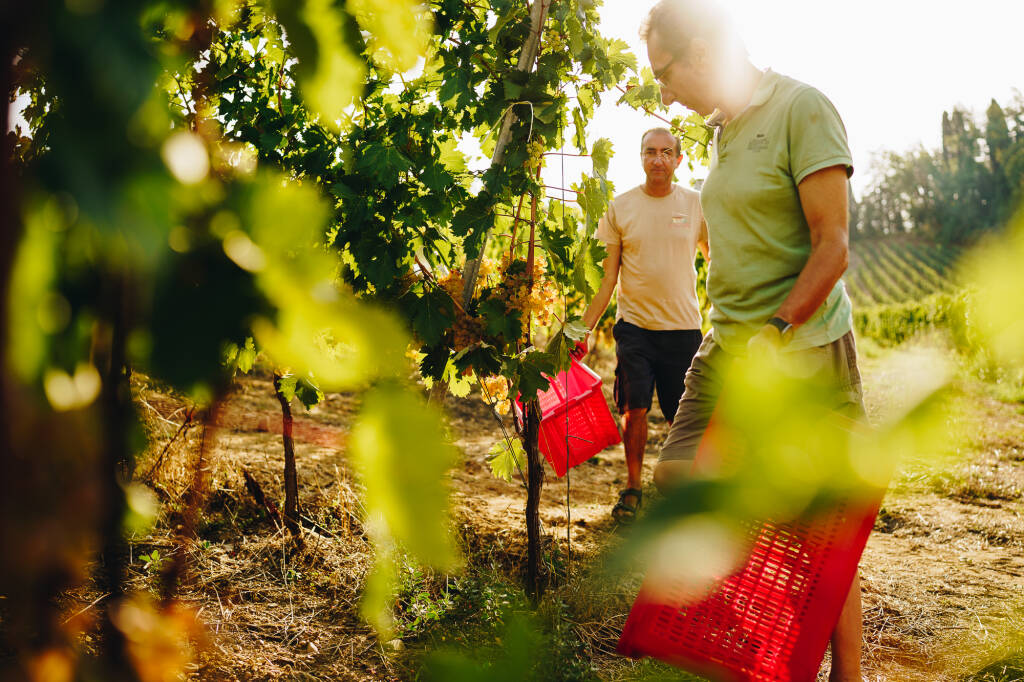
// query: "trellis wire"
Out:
[565,307]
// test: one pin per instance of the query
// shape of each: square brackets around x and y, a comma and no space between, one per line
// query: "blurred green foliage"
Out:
[210,181]
[402,456]
[998,309]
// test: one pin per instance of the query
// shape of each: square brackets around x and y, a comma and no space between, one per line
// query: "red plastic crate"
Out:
[771,619]
[590,425]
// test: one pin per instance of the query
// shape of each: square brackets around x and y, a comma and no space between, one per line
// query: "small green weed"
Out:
[153,562]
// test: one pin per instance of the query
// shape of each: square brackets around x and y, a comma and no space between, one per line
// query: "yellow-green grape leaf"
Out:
[791,444]
[246,357]
[601,154]
[320,329]
[505,461]
[458,384]
[399,30]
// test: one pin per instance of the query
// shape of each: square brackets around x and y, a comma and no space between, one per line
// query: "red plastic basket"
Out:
[770,620]
[590,425]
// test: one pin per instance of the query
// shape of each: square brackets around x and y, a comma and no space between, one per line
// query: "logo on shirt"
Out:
[680,219]
[759,143]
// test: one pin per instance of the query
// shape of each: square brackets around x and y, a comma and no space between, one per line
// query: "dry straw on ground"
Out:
[943,573]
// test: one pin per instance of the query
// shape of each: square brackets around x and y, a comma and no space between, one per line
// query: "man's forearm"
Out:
[825,266]
[600,303]
[608,283]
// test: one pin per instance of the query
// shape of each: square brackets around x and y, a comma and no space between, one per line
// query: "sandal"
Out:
[623,512]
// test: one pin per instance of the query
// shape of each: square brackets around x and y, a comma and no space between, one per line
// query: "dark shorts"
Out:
[835,365]
[648,360]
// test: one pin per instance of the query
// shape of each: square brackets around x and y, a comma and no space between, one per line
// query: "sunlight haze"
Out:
[890,67]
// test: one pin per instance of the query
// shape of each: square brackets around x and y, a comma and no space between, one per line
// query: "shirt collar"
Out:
[765,88]
[762,92]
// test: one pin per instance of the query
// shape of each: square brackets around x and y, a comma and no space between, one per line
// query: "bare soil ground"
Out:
[942,575]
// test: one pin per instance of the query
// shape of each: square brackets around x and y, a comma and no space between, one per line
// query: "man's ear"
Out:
[698,52]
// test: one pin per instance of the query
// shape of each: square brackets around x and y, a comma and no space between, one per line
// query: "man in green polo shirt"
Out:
[775,204]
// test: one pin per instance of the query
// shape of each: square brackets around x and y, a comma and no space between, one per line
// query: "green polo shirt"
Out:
[758,234]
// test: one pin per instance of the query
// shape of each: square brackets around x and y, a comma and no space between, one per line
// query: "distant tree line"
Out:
[972,184]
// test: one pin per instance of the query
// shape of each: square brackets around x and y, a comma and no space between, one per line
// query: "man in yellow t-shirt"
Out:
[651,233]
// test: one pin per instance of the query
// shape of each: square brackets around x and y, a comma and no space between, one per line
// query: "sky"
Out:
[891,67]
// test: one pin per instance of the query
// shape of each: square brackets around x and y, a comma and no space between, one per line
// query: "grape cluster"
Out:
[527,292]
[531,293]
[496,393]
[466,329]
[535,150]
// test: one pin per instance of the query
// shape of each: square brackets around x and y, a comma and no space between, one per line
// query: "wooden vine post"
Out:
[527,60]
[531,427]
[534,466]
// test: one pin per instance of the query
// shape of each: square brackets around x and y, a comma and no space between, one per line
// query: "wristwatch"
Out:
[785,328]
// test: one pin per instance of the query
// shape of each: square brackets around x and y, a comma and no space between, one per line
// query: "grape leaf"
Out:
[505,461]
[308,393]
[398,30]
[574,329]
[601,154]
[432,314]
[403,457]
[286,386]
[586,275]
[500,323]
[529,373]
[246,357]
[384,162]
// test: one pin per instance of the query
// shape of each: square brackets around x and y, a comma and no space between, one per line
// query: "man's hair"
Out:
[678,147]
[677,22]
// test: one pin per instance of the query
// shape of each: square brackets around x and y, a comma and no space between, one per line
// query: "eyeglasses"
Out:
[659,75]
[664,154]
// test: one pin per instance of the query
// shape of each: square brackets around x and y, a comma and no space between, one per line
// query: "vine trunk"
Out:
[291,486]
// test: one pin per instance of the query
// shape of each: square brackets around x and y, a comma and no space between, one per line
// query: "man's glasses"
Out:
[664,154]
[659,75]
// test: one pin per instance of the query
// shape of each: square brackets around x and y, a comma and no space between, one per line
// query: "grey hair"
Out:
[675,138]
[678,22]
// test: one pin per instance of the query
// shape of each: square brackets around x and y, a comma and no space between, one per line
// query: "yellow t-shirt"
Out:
[658,237]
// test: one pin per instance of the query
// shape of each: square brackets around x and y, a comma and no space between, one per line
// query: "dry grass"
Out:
[942,576]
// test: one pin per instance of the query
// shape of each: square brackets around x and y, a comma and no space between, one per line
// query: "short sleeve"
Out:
[817,136]
[607,229]
[702,235]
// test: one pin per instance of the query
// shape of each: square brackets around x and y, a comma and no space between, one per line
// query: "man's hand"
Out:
[581,348]
[765,344]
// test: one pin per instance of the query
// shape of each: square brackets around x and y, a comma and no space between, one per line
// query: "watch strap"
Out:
[785,328]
